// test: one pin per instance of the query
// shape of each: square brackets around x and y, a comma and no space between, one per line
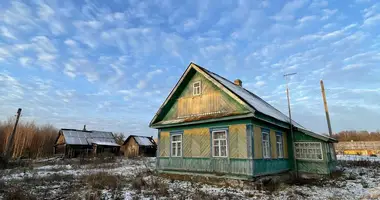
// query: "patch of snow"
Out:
[358,158]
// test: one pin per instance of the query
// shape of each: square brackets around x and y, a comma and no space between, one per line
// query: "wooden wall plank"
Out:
[164,144]
[238,141]
[285,138]
[257,142]
[273,144]
[212,101]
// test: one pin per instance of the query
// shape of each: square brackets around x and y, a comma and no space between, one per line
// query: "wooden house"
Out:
[210,125]
[135,146]
[72,143]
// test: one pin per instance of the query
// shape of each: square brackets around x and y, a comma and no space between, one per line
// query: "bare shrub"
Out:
[103,180]
[147,181]
[16,193]
[337,173]
[358,163]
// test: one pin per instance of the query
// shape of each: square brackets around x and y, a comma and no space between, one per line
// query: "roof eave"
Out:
[318,136]
[157,126]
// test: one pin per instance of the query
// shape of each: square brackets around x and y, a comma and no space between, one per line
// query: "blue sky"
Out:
[110,65]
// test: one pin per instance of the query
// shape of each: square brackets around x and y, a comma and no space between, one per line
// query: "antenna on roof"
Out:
[84,128]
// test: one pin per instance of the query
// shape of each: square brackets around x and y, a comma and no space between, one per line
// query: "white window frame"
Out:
[220,146]
[197,88]
[281,145]
[307,149]
[175,153]
[265,144]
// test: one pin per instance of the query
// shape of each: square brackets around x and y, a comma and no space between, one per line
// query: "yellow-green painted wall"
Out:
[258,149]
[164,144]
[238,141]
[257,138]
[196,142]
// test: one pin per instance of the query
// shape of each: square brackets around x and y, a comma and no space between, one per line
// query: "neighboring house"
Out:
[72,143]
[210,125]
[139,146]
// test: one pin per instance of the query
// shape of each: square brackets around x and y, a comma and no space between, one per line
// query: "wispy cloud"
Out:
[287,12]
[7,33]
[95,57]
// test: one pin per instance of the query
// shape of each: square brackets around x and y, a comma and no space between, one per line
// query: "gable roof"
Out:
[253,100]
[243,96]
[80,137]
[141,140]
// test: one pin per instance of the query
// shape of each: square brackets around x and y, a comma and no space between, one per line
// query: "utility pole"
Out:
[326,108]
[291,123]
[9,149]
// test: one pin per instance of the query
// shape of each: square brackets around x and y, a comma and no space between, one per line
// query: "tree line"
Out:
[345,136]
[30,140]
[37,141]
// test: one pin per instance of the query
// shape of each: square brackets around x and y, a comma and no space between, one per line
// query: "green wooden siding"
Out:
[315,167]
[311,166]
[240,166]
[219,166]
[270,166]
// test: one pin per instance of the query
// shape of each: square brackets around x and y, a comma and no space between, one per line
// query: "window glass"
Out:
[176,145]
[308,150]
[266,143]
[279,146]
[219,143]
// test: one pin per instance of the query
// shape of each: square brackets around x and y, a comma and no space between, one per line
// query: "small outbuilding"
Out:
[139,146]
[72,143]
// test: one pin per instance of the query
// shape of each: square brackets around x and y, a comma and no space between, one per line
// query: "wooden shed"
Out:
[135,146]
[72,143]
[211,125]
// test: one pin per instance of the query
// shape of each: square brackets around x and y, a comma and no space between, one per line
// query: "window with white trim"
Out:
[266,143]
[176,145]
[279,145]
[308,150]
[219,143]
[197,88]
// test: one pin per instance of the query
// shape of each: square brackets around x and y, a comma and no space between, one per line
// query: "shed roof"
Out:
[80,137]
[142,140]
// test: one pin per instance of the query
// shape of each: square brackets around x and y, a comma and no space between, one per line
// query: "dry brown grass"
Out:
[16,193]
[103,180]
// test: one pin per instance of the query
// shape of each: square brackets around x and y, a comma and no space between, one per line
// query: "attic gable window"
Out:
[197,89]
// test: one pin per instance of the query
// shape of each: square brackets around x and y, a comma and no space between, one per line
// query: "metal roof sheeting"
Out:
[78,137]
[253,100]
[143,141]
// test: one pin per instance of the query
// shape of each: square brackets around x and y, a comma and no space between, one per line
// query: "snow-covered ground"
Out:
[135,179]
[358,158]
